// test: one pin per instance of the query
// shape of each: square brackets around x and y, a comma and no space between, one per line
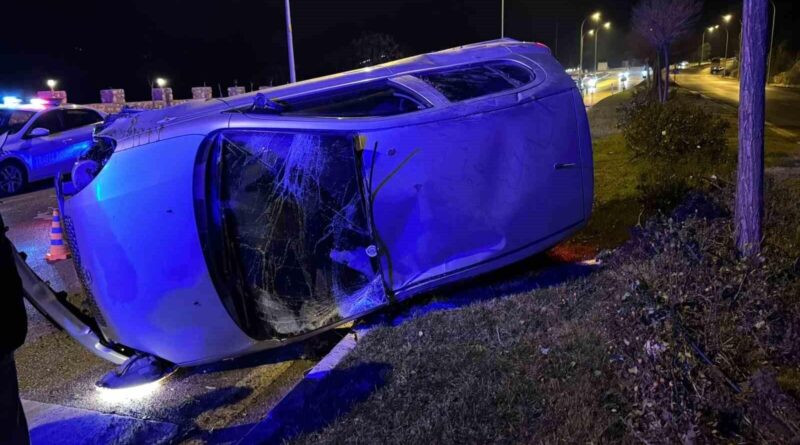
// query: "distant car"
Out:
[217,228]
[37,141]
[590,83]
[716,65]
[683,65]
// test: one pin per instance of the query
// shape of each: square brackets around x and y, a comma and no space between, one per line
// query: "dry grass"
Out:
[673,340]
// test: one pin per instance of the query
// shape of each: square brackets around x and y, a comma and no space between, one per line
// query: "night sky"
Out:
[105,44]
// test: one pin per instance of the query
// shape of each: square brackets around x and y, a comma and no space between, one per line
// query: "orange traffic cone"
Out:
[58,250]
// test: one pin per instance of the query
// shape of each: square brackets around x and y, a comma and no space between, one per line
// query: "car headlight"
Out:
[92,162]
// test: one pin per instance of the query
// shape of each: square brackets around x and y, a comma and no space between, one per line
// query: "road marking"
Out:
[785,133]
[46,215]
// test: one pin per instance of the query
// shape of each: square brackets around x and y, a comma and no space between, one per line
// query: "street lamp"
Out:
[710,29]
[606,25]
[596,18]
[726,19]
[51,83]
[161,82]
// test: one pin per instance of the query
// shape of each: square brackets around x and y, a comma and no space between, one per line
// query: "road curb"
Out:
[271,429]
[52,424]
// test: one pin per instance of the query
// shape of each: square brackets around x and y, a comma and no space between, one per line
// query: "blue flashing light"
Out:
[11,100]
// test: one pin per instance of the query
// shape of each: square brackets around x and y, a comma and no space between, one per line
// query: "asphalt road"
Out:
[610,85]
[783,104]
[212,403]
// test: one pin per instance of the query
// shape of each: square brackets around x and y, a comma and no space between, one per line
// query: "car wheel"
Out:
[12,178]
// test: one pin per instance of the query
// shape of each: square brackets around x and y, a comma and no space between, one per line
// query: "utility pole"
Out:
[290,43]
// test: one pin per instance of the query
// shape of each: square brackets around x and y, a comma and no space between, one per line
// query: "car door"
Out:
[43,151]
[79,125]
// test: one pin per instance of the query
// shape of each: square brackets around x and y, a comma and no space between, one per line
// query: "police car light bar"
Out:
[11,100]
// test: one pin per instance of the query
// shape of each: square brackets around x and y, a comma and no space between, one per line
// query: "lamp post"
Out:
[292,76]
[51,83]
[726,19]
[596,18]
[606,25]
[771,39]
[710,29]
[502,18]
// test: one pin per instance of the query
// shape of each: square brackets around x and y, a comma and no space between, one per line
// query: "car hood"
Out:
[133,129]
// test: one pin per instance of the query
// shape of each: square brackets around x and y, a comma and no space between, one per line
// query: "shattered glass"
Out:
[300,232]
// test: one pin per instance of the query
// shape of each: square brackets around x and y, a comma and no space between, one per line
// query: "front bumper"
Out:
[44,299]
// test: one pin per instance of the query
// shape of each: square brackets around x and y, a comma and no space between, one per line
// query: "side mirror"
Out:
[38,132]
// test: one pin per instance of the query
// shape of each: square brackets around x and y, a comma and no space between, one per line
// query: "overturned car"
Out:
[218,228]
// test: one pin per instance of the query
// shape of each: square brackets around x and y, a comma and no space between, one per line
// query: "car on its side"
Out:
[37,141]
[217,228]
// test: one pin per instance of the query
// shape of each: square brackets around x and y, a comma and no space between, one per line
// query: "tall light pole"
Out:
[502,18]
[596,18]
[292,76]
[726,19]
[606,25]
[710,29]
[771,39]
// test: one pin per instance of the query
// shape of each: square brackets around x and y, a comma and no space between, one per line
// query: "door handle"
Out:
[562,166]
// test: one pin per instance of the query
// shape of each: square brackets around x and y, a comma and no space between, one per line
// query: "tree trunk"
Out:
[666,74]
[750,175]
[657,74]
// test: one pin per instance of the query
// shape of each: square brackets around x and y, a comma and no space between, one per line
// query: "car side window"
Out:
[49,120]
[468,82]
[79,117]
[374,100]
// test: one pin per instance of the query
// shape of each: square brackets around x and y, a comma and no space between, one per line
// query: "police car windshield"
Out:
[12,121]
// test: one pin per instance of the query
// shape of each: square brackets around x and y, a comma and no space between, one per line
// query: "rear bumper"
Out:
[44,299]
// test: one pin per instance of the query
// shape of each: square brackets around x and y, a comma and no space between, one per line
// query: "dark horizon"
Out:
[245,42]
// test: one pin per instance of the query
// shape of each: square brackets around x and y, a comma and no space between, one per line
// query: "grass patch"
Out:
[619,202]
[674,340]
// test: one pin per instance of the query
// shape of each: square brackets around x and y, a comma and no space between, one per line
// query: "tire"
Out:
[13,178]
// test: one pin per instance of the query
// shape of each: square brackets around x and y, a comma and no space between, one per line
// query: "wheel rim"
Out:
[10,179]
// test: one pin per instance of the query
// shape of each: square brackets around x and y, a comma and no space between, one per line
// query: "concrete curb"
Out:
[269,429]
[51,424]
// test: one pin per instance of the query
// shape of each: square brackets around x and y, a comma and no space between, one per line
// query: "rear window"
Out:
[373,100]
[468,82]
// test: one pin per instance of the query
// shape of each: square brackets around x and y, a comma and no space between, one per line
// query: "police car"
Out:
[40,139]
